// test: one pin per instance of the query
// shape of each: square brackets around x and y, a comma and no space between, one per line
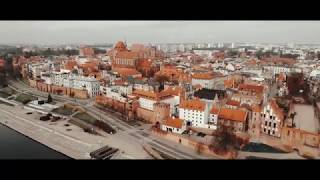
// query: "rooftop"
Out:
[173,122]
[209,93]
[305,118]
[233,114]
[194,104]
[233,103]
[251,87]
[205,76]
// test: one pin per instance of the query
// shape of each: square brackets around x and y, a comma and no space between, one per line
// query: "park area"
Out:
[25,98]
[67,111]
[83,116]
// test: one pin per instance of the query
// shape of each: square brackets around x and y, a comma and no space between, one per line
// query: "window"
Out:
[273,132]
[265,123]
[264,130]
[264,115]
[269,124]
[274,125]
[274,117]
[270,117]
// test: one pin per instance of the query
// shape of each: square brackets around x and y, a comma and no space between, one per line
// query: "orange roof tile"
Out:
[206,76]
[256,108]
[228,83]
[282,77]
[70,64]
[126,71]
[194,104]
[214,110]
[173,122]
[233,103]
[278,111]
[146,94]
[232,114]
[251,87]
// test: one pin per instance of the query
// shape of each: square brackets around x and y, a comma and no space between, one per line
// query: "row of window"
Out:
[270,124]
[270,117]
[269,132]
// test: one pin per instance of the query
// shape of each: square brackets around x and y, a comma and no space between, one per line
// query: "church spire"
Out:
[216,99]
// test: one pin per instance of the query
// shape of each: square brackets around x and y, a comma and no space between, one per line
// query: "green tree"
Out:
[49,99]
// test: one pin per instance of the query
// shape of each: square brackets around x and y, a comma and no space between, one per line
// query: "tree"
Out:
[49,99]
[225,141]
[161,79]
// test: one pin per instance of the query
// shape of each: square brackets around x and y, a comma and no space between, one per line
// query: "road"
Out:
[126,133]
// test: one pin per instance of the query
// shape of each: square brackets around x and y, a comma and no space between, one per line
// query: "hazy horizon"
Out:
[97,32]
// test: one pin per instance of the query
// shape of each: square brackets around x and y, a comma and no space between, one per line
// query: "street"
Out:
[126,134]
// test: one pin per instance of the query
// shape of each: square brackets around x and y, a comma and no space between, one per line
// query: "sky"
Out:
[82,32]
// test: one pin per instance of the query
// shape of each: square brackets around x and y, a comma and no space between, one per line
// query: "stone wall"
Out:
[196,146]
[145,115]
[41,86]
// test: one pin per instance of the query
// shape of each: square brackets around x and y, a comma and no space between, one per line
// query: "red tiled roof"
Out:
[214,110]
[282,77]
[126,71]
[251,87]
[206,76]
[228,83]
[275,107]
[194,104]
[70,64]
[174,122]
[232,114]
[233,103]
[256,108]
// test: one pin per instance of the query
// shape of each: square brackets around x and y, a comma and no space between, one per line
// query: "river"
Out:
[14,145]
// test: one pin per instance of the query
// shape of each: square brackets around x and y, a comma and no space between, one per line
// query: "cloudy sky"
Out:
[53,32]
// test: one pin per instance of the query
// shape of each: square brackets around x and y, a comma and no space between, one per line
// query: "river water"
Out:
[14,145]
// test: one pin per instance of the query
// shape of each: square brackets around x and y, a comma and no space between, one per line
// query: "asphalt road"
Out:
[126,133]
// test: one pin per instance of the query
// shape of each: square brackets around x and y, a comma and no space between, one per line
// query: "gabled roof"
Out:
[173,122]
[215,110]
[251,87]
[233,103]
[276,109]
[205,76]
[194,104]
[233,114]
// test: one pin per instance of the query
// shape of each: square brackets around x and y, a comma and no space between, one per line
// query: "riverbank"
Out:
[52,137]
[12,142]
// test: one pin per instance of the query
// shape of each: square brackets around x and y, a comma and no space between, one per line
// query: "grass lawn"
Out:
[4,94]
[95,122]
[86,117]
[24,98]
[63,110]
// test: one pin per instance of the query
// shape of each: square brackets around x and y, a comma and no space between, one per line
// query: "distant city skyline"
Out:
[94,32]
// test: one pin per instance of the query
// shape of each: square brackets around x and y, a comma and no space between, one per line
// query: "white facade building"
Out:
[85,83]
[196,113]
[35,69]
[205,83]
[174,125]
[278,69]
[57,78]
